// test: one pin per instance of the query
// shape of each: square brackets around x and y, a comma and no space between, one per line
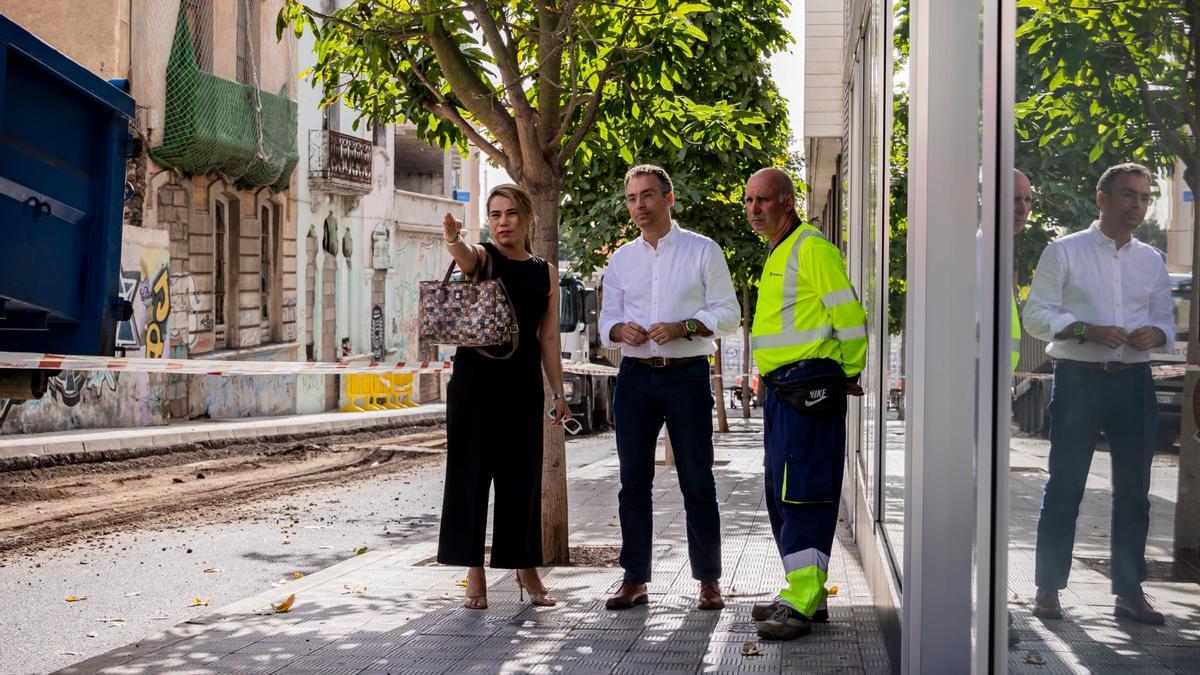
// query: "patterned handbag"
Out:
[475,312]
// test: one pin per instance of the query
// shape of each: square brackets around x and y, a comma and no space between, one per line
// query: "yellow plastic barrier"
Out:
[355,391]
[369,391]
[402,389]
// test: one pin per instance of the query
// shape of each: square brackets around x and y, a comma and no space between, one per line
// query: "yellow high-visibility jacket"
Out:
[807,308]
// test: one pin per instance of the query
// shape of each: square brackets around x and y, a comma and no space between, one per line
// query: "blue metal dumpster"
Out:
[63,139]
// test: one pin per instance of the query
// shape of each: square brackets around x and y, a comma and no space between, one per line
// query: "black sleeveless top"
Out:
[528,285]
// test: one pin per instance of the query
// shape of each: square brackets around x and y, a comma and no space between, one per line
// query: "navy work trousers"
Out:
[680,395]
[1084,402]
[803,464]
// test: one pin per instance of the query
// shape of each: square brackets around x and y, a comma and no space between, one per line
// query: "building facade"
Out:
[259,224]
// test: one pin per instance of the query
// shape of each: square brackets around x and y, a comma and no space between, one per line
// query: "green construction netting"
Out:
[214,125]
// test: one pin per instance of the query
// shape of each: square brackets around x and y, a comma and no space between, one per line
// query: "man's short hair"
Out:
[664,179]
[1112,173]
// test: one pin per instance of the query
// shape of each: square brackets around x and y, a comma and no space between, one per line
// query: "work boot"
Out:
[710,595]
[1046,606]
[785,624]
[631,593]
[763,610]
[1137,608]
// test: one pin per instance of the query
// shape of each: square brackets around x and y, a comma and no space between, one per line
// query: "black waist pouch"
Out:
[818,395]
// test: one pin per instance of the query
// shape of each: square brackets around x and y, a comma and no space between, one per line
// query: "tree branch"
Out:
[448,112]
[476,95]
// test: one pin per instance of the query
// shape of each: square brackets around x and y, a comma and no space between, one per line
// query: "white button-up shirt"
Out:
[1085,277]
[684,277]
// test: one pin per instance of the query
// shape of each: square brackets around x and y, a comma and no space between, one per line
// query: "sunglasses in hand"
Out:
[571,425]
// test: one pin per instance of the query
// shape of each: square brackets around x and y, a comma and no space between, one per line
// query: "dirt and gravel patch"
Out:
[41,506]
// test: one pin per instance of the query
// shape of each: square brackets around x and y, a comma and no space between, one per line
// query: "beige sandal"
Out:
[540,597]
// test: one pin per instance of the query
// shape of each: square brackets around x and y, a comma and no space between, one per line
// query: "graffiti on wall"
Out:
[127,332]
[377,333]
[70,387]
[158,311]
[148,289]
[418,258]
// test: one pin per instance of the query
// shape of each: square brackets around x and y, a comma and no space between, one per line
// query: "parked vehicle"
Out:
[735,391]
[1169,368]
[589,395]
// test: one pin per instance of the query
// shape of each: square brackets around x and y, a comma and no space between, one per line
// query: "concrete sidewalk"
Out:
[108,440]
[1089,639]
[392,612]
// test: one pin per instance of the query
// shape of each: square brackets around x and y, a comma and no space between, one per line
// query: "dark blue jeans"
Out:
[679,395]
[1084,402]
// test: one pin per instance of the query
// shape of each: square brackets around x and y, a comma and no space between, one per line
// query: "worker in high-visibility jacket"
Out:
[810,342]
[1022,207]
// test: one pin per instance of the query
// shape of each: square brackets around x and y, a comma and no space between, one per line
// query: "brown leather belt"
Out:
[664,361]
[1105,366]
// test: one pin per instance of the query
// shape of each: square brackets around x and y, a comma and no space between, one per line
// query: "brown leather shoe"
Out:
[1046,606]
[1137,608]
[631,593]
[710,595]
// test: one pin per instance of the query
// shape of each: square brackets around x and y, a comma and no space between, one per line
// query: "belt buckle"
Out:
[658,362]
[1112,366]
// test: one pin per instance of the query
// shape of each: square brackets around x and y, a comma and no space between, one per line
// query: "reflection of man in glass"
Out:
[1103,301]
[810,344]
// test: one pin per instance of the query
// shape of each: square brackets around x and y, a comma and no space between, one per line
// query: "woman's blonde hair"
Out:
[524,203]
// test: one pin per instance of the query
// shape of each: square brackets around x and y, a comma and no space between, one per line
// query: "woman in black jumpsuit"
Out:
[494,414]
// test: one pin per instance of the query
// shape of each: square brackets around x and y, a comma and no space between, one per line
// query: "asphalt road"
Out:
[144,580]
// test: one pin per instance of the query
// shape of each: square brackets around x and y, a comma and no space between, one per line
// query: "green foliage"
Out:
[539,86]
[898,180]
[1099,83]
[709,173]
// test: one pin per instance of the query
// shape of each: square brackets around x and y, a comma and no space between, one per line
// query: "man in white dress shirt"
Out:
[1103,301]
[667,297]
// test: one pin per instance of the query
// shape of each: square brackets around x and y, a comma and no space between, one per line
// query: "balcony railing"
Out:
[339,163]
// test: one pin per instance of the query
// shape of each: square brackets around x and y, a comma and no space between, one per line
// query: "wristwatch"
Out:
[1079,332]
[690,326]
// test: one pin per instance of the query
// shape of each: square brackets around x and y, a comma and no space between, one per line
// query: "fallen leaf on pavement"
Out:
[297,575]
[211,570]
[1035,658]
[286,605]
[113,622]
[833,591]
[68,653]
[91,635]
[360,551]
[73,598]
[750,649]
[199,602]
[353,590]
[287,541]
[462,582]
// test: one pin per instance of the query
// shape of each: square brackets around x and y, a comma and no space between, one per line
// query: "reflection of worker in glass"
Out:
[1103,301]
[1022,206]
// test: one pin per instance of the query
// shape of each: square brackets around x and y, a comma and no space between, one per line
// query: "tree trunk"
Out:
[747,357]
[719,389]
[555,532]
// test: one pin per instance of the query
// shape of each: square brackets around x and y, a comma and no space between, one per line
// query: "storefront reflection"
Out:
[1104,493]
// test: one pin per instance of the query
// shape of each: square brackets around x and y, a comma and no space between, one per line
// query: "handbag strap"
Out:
[482,271]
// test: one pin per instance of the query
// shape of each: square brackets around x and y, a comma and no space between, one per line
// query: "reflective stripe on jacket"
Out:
[807,308]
